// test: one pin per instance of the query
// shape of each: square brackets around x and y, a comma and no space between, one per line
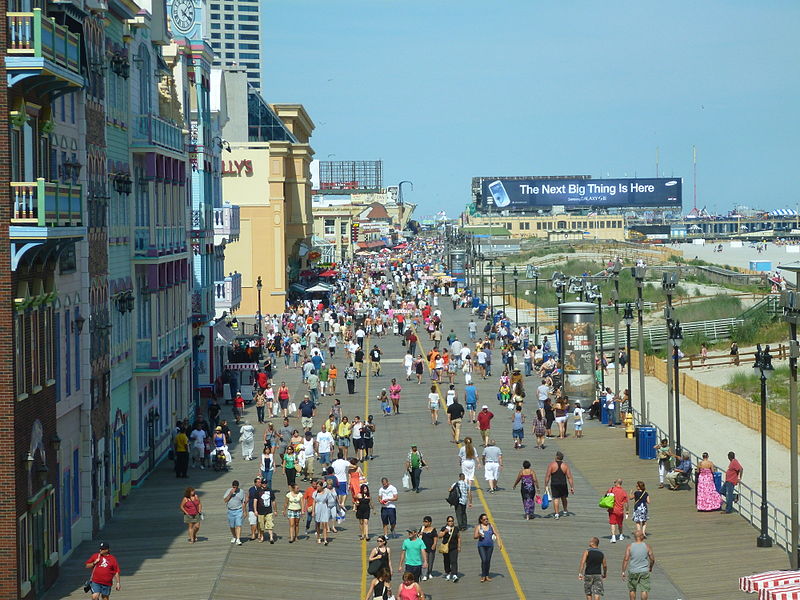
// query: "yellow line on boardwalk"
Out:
[506,558]
[364,562]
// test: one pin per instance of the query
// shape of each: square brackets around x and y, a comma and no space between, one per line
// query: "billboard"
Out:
[534,194]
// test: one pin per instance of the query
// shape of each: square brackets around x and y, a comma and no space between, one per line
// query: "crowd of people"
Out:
[321,453]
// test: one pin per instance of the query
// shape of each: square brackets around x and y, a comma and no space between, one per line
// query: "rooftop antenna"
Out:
[694,176]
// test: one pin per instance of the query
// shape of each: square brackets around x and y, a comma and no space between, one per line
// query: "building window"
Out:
[243,8]
[230,36]
[19,351]
[248,56]
[228,26]
[249,17]
[248,36]
[214,36]
[215,26]
[248,28]
[538,225]
[329,227]
[561,225]
[602,224]
[230,45]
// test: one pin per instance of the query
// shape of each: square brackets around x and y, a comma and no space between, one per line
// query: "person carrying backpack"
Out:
[460,498]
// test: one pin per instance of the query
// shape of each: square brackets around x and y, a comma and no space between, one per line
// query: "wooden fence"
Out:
[722,401]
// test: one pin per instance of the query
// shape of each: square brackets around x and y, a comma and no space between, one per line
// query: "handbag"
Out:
[87,585]
[374,566]
[444,548]
[606,501]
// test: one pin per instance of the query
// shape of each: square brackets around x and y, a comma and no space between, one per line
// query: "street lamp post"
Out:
[790,302]
[503,276]
[516,298]
[560,287]
[639,275]
[763,364]
[536,306]
[668,283]
[491,288]
[259,287]
[627,316]
[615,269]
[596,295]
[676,337]
[483,297]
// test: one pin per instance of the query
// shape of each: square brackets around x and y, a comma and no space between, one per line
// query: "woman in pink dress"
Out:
[708,498]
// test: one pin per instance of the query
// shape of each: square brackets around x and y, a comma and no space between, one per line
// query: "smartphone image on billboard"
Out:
[499,194]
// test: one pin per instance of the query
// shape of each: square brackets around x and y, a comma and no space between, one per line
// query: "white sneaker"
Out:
[233,540]
[424,578]
[556,516]
[455,578]
[621,537]
[613,539]
[447,576]
[238,542]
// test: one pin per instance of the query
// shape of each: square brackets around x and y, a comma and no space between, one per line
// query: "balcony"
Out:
[159,240]
[155,354]
[228,293]
[42,203]
[154,133]
[226,224]
[46,55]
[43,214]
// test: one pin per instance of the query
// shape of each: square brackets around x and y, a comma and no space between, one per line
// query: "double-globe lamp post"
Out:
[259,287]
[627,317]
[763,365]
[515,274]
[675,338]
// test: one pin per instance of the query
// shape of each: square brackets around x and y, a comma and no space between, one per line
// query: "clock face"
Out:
[182,15]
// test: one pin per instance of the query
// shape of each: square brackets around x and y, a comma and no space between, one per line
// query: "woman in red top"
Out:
[283,398]
[192,510]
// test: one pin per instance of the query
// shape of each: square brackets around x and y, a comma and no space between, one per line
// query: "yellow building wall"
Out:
[272,211]
[603,227]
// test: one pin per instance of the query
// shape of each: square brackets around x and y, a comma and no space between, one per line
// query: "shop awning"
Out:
[224,333]
[329,273]
[320,287]
[371,244]
[296,287]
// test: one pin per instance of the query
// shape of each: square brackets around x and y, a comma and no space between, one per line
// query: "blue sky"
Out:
[446,90]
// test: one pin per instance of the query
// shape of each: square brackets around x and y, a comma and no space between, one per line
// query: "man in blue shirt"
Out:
[471,400]
[682,471]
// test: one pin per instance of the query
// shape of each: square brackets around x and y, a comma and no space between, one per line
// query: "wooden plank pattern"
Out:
[694,551]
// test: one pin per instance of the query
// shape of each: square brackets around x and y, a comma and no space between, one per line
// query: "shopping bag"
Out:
[545,500]
[275,409]
[407,481]
[292,407]
[606,501]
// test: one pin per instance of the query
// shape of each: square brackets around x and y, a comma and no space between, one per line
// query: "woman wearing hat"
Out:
[221,443]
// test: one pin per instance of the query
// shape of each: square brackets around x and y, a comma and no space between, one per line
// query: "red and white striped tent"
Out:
[769,581]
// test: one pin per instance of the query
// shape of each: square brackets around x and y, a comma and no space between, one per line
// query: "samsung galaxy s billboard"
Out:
[533,194]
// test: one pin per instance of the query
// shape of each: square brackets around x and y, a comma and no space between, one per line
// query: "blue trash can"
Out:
[647,443]
[603,414]
[718,481]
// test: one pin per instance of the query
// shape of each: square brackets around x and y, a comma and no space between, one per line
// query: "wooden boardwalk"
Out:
[699,556]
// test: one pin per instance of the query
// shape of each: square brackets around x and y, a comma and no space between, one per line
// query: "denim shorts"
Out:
[99,588]
[341,488]
[235,518]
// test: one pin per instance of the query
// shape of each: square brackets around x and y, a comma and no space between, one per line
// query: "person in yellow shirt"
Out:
[343,436]
[181,454]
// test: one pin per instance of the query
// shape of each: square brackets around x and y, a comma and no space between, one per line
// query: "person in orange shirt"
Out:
[333,373]
[309,498]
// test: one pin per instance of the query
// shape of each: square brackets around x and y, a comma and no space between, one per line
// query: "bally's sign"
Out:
[237,168]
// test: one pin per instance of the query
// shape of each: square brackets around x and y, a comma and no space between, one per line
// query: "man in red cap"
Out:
[105,572]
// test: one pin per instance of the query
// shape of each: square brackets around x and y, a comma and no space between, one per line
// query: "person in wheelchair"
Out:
[682,473]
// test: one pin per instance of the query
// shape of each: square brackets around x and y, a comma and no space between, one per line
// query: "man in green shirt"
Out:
[323,378]
[413,555]
[414,465]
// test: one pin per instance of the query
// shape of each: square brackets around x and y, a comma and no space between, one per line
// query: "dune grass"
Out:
[748,385]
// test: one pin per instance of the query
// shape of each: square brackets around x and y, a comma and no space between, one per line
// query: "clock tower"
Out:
[186,18]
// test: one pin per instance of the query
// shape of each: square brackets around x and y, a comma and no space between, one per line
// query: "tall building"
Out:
[269,177]
[234,30]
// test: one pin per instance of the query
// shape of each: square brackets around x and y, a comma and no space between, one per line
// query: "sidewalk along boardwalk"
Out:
[148,537]
[704,553]
[543,552]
